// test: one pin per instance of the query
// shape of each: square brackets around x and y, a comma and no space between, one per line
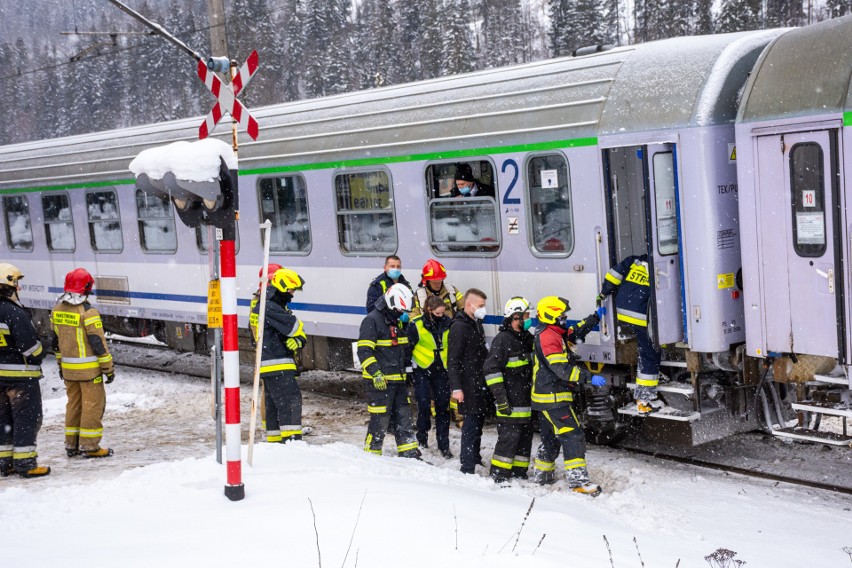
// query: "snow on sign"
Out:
[227,97]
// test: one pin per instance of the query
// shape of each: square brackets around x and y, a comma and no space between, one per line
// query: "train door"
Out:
[642,198]
[799,242]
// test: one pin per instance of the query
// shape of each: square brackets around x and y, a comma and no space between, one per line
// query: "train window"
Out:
[156,219]
[58,224]
[202,242]
[808,189]
[284,201]
[664,190]
[19,231]
[365,217]
[550,206]
[104,224]
[463,216]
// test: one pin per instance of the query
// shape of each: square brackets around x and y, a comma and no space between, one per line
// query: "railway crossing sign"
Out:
[226,95]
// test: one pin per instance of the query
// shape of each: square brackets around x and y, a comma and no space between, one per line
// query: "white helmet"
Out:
[516,305]
[399,297]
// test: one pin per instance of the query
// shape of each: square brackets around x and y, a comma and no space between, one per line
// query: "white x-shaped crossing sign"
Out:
[226,95]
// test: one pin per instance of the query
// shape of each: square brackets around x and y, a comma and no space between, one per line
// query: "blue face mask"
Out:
[394,273]
[465,190]
[403,317]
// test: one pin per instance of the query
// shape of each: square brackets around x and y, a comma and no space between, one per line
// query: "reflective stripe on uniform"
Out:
[273,435]
[557,358]
[575,463]
[517,412]
[93,320]
[541,465]
[105,359]
[406,447]
[91,433]
[493,379]
[18,371]
[614,277]
[274,365]
[402,340]
[377,409]
[552,398]
[5,451]
[388,377]
[521,461]
[501,462]
[647,380]
[636,318]
[366,343]
[34,350]
[72,431]
[516,362]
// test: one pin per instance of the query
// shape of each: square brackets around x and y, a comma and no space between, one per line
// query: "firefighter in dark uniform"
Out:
[254,314]
[556,377]
[508,373]
[384,355]
[21,354]
[84,363]
[283,336]
[465,359]
[630,282]
[380,284]
[428,340]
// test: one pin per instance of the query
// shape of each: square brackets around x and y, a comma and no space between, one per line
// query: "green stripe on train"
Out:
[534,147]
[847,118]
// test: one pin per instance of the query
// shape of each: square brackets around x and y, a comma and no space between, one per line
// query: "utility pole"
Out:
[216,20]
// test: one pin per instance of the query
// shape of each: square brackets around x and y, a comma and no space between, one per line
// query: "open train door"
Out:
[800,242]
[642,196]
[662,211]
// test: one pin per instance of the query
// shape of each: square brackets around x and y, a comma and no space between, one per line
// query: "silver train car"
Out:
[592,158]
[794,142]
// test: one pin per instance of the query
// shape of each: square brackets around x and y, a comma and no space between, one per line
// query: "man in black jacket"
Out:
[21,354]
[508,373]
[384,356]
[466,356]
[381,283]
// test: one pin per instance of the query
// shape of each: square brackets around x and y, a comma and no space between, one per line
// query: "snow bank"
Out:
[413,514]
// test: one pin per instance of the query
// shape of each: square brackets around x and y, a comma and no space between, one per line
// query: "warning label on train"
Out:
[725,280]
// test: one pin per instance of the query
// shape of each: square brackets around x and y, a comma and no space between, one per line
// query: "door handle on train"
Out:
[828,276]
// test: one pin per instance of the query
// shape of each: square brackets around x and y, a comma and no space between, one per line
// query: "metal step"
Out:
[665,413]
[832,408]
[828,379]
[681,364]
[675,388]
[805,435]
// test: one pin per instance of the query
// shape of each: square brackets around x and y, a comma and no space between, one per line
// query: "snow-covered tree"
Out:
[502,32]
[432,33]
[783,13]
[738,16]
[704,17]
[457,54]
[838,8]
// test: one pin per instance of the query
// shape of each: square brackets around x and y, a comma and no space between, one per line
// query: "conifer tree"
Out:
[457,48]
[432,34]
[738,16]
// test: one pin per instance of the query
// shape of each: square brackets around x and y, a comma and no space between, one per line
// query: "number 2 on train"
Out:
[506,199]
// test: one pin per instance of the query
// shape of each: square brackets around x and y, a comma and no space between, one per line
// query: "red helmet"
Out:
[270,270]
[79,281]
[433,270]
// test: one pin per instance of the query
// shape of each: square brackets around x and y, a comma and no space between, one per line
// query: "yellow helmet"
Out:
[286,280]
[550,308]
[9,275]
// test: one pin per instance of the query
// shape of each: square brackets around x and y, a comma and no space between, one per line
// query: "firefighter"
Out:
[465,359]
[508,373]
[253,318]
[283,336]
[630,282]
[384,355]
[427,337]
[380,284]
[556,376]
[21,354]
[433,282]
[84,363]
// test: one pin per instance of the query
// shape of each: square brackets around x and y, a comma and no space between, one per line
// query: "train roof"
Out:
[673,83]
[805,71]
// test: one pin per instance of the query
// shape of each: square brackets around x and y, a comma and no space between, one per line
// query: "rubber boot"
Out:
[544,477]
[71,452]
[99,453]
[39,471]
[6,467]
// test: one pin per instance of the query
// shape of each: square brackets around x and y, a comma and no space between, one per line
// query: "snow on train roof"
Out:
[805,71]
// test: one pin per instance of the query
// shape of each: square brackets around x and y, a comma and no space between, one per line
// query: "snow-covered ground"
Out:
[159,501]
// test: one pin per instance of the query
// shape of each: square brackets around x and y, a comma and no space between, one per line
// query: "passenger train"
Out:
[722,157]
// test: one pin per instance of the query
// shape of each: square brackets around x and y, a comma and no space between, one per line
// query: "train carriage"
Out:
[795,149]
[592,158]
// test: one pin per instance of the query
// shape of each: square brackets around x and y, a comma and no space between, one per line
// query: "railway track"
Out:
[161,359]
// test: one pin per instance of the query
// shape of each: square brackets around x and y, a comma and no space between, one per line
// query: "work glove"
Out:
[598,381]
[504,408]
[293,343]
[110,377]
[379,382]
[600,299]
[601,311]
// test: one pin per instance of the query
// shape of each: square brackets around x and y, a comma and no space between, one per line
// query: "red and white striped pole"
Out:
[234,489]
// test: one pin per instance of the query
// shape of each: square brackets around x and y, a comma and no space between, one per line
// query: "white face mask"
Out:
[480,313]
